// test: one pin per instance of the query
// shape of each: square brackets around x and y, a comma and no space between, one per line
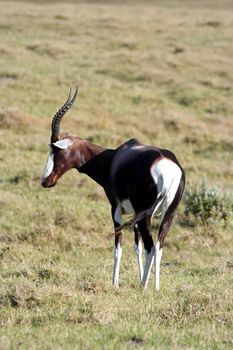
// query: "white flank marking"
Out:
[158,256]
[117,260]
[118,215]
[48,167]
[126,204]
[63,144]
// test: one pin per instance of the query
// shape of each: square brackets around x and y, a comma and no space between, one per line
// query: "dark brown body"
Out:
[137,179]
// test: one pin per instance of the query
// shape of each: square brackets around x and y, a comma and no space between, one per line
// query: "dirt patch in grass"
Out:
[7,76]
[49,50]
[19,121]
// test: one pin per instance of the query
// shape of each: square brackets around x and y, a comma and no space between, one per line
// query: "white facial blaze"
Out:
[49,166]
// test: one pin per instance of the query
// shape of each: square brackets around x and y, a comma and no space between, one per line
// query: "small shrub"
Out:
[207,205]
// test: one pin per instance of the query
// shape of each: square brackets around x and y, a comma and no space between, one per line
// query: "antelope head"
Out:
[60,157]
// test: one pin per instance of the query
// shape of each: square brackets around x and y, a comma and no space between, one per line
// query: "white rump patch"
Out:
[166,175]
[48,166]
[63,144]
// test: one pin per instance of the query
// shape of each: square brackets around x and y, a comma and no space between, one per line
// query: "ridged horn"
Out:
[55,125]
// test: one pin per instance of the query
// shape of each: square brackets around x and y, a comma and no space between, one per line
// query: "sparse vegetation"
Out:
[205,205]
[160,71]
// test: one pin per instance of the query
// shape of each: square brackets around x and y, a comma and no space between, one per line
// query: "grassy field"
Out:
[158,73]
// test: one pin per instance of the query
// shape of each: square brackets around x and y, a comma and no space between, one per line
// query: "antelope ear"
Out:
[63,144]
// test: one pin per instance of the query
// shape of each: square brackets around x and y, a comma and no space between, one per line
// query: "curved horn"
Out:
[55,125]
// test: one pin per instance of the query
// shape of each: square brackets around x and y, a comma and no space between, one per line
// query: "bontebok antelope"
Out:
[137,179]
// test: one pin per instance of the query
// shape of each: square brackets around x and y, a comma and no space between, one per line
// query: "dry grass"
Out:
[158,73]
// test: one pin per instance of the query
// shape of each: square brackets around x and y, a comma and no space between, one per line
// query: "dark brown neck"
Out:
[86,151]
[97,162]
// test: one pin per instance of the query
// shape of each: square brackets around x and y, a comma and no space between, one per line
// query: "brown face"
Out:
[58,162]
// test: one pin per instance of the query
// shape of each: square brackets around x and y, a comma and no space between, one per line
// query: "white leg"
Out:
[158,256]
[148,265]
[117,260]
[138,251]
[117,218]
